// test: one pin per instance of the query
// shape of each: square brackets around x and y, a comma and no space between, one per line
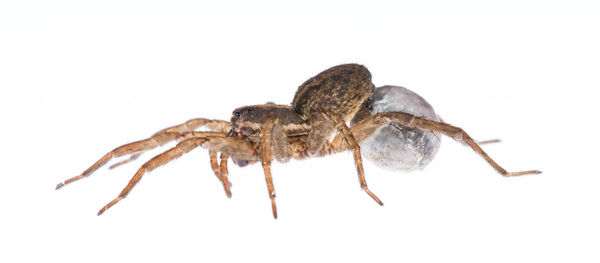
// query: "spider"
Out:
[314,125]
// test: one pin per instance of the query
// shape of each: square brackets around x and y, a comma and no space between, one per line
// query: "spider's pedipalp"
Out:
[214,164]
[220,171]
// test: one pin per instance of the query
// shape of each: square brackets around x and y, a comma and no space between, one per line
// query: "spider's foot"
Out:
[226,187]
[227,193]
[372,195]
[107,206]
[274,207]
[73,179]
[523,173]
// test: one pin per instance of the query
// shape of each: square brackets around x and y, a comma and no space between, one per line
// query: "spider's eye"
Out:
[236,114]
[249,111]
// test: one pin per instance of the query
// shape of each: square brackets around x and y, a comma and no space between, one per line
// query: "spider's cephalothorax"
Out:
[289,126]
[315,124]
[247,120]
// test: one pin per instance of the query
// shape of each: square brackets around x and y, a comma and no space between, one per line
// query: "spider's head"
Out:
[246,121]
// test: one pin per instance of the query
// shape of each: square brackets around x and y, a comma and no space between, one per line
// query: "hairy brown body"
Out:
[339,90]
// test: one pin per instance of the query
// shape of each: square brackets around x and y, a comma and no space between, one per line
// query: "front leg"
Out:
[265,158]
[220,171]
[135,149]
[233,147]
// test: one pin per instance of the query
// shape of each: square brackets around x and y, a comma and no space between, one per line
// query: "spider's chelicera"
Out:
[314,125]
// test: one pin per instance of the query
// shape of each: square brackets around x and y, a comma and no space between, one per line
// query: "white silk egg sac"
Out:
[393,146]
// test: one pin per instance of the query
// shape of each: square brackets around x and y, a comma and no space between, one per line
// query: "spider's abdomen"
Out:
[339,90]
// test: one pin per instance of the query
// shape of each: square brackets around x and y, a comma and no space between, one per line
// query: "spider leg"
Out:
[218,172]
[265,158]
[158,139]
[478,142]
[366,127]
[130,148]
[214,164]
[211,125]
[488,141]
[345,133]
[188,126]
[237,148]
[225,173]
[131,158]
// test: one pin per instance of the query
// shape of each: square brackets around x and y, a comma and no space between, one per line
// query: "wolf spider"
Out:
[314,125]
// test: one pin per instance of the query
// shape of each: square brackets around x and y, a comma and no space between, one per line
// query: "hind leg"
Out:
[368,126]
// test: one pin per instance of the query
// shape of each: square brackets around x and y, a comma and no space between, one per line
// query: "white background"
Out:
[80,78]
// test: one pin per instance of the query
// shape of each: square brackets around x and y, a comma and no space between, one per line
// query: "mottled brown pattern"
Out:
[339,90]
